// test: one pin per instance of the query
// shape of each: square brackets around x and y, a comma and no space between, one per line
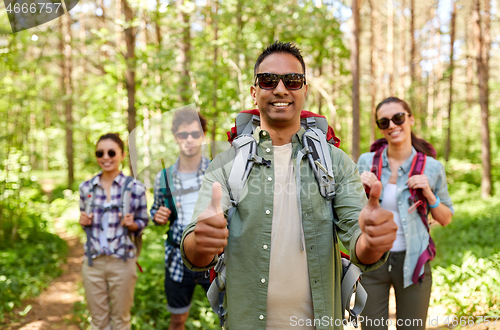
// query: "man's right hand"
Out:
[162,215]
[86,219]
[210,233]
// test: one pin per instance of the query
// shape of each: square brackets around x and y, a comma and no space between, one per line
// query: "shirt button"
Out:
[268,150]
[269,179]
[261,317]
[268,212]
[264,247]
[263,280]
[264,134]
[399,203]
[399,174]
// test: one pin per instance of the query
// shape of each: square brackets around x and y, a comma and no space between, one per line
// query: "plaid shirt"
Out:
[173,258]
[116,241]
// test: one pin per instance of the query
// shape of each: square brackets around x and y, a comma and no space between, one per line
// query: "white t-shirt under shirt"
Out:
[188,180]
[289,292]
[390,202]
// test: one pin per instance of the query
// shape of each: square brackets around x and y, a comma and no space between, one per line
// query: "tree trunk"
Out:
[355,81]
[185,54]
[450,99]
[390,46]
[482,57]
[469,76]
[130,74]
[67,88]
[119,73]
[431,78]
[402,52]
[374,42]
[46,141]
[412,57]
[214,91]
[439,74]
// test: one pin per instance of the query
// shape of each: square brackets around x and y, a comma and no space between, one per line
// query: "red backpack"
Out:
[417,197]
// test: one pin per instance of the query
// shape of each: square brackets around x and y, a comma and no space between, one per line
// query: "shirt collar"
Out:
[201,169]
[96,181]
[259,134]
[406,167]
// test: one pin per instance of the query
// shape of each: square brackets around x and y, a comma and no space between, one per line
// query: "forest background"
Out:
[113,65]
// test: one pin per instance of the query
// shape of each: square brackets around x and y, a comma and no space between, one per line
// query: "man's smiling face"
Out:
[279,107]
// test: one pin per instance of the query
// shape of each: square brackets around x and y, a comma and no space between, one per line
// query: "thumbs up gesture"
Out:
[210,233]
[377,226]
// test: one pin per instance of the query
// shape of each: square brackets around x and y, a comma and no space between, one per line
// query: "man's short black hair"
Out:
[279,47]
[187,116]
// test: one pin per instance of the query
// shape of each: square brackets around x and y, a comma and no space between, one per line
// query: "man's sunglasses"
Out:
[398,119]
[100,153]
[292,81]
[185,135]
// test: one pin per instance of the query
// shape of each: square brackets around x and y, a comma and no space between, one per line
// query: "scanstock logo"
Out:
[25,14]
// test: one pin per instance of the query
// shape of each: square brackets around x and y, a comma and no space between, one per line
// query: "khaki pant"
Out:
[109,288]
[412,302]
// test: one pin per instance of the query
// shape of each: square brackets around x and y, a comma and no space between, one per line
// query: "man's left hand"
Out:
[378,228]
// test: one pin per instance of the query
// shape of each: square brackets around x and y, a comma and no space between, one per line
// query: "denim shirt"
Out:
[416,235]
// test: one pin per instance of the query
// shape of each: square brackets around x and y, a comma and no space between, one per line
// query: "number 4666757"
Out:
[33,8]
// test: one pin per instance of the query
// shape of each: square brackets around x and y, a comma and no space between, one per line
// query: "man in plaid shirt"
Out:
[184,181]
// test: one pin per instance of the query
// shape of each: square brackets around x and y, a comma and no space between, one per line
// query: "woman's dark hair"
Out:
[186,117]
[115,137]
[419,144]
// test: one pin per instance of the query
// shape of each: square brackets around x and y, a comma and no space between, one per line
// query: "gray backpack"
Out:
[315,146]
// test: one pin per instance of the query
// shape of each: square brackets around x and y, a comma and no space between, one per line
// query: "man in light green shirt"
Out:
[283,273]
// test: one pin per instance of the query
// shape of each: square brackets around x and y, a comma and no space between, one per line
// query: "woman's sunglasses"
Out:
[185,135]
[398,119]
[100,153]
[292,81]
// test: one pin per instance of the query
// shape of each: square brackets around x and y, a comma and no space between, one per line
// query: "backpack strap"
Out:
[244,160]
[350,284]
[125,199]
[320,160]
[420,204]
[89,206]
[169,195]
[376,168]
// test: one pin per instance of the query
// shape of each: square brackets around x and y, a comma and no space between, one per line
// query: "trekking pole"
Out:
[126,209]
[88,229]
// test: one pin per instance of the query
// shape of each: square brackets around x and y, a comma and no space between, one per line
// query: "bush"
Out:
[471,289]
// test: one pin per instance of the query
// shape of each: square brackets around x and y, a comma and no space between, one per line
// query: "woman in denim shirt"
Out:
[394,119]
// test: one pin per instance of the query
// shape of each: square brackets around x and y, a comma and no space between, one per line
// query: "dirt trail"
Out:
[53,309]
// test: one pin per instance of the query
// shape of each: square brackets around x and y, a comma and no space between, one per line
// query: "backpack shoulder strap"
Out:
[168,195]
[89,206]
[126,195]
[417,168]
[376,168]
[377,163]
[318,153]
[244,160]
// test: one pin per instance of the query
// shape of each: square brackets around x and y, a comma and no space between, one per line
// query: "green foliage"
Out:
[28,266]
[466,270]
[470,289]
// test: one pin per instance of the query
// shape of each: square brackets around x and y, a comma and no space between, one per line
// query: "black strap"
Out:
[169,199]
